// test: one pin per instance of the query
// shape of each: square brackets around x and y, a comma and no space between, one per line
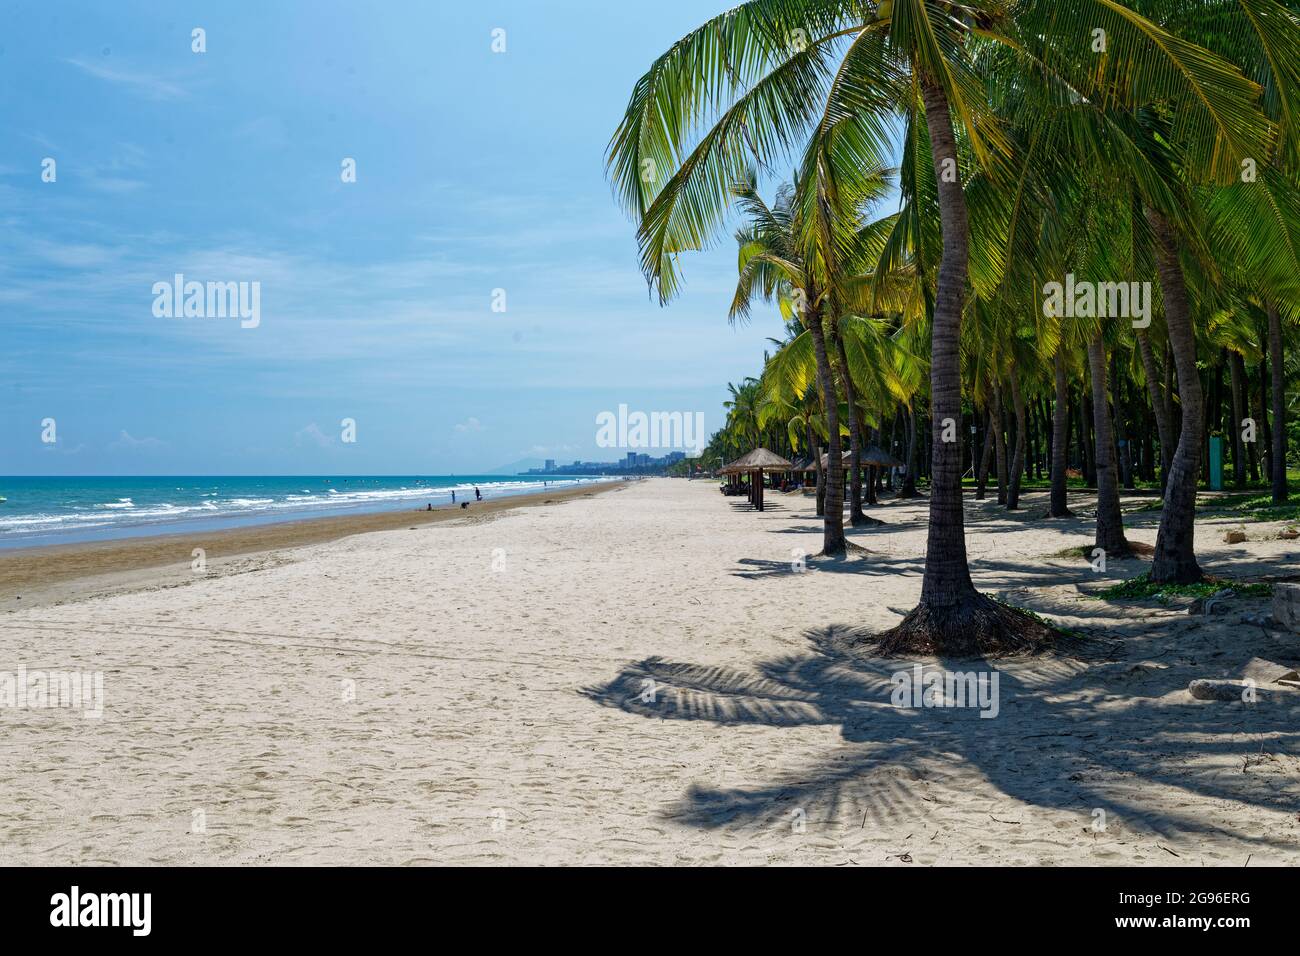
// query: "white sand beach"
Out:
[641,676]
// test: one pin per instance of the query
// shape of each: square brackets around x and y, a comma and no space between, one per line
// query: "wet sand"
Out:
[34,577]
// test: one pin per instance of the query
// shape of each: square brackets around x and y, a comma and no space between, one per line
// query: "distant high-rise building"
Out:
[631,459]
[642,460]
[550,464]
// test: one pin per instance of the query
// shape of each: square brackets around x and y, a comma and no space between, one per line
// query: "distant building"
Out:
[637,462]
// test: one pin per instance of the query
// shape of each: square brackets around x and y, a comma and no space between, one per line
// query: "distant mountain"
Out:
[515,467]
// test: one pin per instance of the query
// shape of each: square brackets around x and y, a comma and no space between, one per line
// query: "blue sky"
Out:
[475,171]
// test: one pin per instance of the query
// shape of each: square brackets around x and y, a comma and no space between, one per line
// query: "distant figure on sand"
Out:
[429,507]
[453,496]
[478,495]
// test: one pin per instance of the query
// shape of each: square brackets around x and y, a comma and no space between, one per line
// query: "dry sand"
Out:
[642,676]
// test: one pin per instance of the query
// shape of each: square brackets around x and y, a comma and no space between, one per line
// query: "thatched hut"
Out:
[754,464]
[876,456]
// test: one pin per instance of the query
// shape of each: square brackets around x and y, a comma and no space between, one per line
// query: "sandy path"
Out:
[498,714]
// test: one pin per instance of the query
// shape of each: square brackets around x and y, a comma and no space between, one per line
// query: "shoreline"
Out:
[49,510]
[55,573]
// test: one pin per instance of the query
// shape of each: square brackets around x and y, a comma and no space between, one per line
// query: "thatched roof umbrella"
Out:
[875,455]
[871,455]
[756,462]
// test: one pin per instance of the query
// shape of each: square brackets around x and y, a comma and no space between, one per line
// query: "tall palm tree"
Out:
[742,413]
[774,264]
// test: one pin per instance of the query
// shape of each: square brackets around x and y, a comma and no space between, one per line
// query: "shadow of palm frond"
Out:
[1069,735]
[658,688]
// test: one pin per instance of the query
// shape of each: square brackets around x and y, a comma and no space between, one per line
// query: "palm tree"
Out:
[739,89]
[775,265]
[742,414]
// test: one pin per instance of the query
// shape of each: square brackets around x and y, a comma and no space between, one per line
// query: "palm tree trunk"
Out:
[856,516]
[1088,438]
[1018,462]
[1037,429]
[1159,404]
[1110,521]
[1212,414]
[1238,372]
[893,444]
[951,617]
[1175,557]
[947,576]
[986,460]
[1060,437]
[909,475]
[872,488]
[821,482]
[1000,442]
[1263,413]
[811,441]
[1252,447]
[833,523]
[1278,377]
[1123,450]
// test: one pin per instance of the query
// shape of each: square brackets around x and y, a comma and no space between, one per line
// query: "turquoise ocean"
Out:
[52,510]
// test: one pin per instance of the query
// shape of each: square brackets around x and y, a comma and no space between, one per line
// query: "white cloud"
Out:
[117,185]
[127,440]
[312,433]
[470,424]
[152,87]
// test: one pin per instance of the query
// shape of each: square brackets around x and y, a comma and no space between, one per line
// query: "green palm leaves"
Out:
[1121,140]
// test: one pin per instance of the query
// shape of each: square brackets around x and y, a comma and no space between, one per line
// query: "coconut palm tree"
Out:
[742,413]
[775,265]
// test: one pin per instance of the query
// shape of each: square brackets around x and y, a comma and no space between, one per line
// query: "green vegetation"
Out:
[1038,618]
[1143,588]
[1258,507]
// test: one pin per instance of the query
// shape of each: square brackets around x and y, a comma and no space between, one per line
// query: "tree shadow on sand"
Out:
[1051,746]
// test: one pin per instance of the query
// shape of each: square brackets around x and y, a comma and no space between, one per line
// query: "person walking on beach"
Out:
[478,495]
[453,496]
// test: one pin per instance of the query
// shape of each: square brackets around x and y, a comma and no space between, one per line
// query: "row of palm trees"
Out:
[1013,439]
[1143,141]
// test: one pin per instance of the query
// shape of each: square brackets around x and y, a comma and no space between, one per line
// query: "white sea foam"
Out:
[207,505]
